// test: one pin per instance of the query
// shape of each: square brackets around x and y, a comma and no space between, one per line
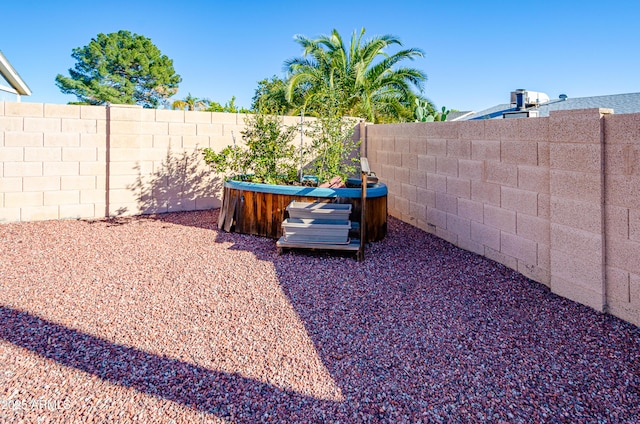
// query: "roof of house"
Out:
[11,76]
[620,103]
[459,115]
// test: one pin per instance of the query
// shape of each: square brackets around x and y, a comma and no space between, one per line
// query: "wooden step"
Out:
[352,246]
[316,230]
[319,210]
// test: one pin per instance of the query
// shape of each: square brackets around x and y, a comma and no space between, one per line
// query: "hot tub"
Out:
[260,209]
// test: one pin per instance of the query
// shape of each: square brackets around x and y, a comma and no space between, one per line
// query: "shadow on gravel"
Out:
[201,389]
[424,331]
[421,331]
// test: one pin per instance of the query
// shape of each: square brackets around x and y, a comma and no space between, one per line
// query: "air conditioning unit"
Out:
[530,98]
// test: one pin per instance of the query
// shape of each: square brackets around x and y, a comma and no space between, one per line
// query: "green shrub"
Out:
[269,155]
[333,150]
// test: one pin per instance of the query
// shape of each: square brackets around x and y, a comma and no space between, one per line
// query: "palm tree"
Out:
[362,78]
[190,103]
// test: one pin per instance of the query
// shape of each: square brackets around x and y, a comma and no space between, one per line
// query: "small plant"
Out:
[269,155]
[334,152]
[425,113]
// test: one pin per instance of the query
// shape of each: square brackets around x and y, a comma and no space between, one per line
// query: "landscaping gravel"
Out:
[166,319]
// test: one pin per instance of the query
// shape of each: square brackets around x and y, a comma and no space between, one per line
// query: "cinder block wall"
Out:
[155,164]
[69,161]
[531,194]
[576,161]
[622,215]
[51,161]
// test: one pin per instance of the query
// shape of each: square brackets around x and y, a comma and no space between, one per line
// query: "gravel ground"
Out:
[165,319]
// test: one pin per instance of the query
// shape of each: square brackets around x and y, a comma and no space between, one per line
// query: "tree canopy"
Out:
[366,79]
[122,68]
[228,107]
[271,96]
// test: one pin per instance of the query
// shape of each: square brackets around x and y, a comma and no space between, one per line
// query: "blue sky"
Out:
[476,52]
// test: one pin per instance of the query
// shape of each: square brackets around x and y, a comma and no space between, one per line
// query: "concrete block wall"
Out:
[622,215]
[531,194]
[51,161]
[576,163]
[482,185]
[70,161]
[155,161]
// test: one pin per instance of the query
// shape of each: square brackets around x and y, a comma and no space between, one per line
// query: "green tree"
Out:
[190,103]
[271,97]
[122,68]
[368,79]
